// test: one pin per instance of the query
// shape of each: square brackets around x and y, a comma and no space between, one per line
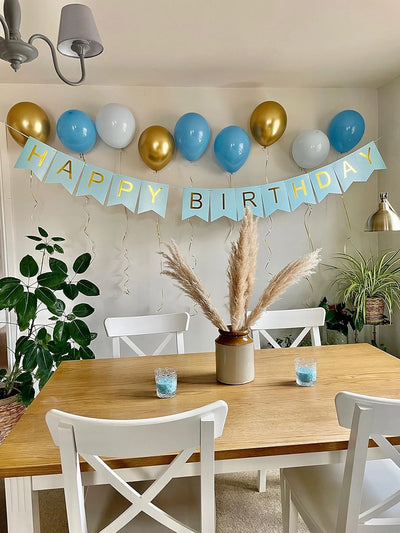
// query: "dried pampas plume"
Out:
[241,278]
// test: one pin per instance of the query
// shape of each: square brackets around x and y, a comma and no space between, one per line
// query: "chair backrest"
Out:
[171,324]
[308,319]
[93,438]
[375,418]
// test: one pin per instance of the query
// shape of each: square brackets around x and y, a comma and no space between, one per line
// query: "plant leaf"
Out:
[57,308]
[46,296]
[28,266]
[58,249]
[51,279]
[61,332]
[79,332]
[86,353]
[87,288]
[26,309]
[71,291]
[43,232]
[34,238]
[81,263]
[83,310]
[10,295]
[57,239]
[57,266]
[44,359]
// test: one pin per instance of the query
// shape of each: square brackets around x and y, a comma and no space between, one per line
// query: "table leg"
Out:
[22,504]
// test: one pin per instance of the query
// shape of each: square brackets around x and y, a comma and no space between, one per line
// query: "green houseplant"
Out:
[361,281]
[49,331]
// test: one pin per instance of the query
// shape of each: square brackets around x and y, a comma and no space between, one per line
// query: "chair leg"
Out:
[262,480]
[289,511]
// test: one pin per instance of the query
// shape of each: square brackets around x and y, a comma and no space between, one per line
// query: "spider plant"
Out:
[358,278]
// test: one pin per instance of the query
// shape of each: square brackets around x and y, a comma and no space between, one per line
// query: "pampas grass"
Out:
[241,278]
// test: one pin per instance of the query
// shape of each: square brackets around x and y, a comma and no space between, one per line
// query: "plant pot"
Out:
[11,410]
[234,357]
[374,311]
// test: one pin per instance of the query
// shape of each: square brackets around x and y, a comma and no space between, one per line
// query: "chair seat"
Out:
[316,491]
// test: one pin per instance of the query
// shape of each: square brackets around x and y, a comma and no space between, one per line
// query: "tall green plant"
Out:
[358,278]
[51,331]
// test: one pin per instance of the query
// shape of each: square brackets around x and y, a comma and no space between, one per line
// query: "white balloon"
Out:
[310,148]
[115,125]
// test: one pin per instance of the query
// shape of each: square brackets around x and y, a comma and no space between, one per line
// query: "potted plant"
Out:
[234,347]
[368,285]
[49,331]
[337,321]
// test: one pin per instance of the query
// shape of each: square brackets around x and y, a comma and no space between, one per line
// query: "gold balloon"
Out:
[156,147]
[28,120]
[268,122]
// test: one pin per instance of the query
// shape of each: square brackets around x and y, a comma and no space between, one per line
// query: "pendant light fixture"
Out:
[385,219]
[78,37]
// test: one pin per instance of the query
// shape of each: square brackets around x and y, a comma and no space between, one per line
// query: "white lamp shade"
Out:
[77,24]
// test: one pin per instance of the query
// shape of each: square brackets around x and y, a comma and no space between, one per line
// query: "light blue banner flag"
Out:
[36,156]
[65,170]
[94,181]
[195,202]
[153,197]
[249,196]
[300,191]
[324,182]
[223,204]
[275,197]
[125,191]
[364,161]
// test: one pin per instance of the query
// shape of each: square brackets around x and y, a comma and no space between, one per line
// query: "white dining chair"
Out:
[93,438]
[309,320]
[360,495]
[170,326]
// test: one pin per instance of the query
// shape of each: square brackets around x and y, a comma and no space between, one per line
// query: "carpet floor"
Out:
[240,507]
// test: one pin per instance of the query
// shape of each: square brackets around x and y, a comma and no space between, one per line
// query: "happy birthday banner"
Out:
[52,166]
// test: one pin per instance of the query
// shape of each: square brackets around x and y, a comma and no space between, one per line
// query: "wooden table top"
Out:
[270,416]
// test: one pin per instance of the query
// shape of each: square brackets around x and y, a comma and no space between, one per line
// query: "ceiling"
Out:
[225,43]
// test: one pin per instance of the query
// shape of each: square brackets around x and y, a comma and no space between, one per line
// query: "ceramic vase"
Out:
[234,356]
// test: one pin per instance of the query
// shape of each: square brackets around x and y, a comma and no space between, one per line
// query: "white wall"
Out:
[389,133]
[283,238]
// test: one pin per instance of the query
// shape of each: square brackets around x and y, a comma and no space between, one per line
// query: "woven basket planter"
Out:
[11,411]
[374,311]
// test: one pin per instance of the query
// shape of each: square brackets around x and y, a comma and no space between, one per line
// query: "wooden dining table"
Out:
[271,422]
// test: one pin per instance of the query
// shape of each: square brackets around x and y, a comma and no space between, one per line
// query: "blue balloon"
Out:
[232,148]
[77,131]
[192,135]
[346,130]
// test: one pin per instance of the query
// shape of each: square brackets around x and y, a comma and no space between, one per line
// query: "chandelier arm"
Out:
[5,27]
[55,62]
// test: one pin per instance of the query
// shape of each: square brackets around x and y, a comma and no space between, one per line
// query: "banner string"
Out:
[307,216]
[230,221]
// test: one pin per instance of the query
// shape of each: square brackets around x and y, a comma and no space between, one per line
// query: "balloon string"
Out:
[161,263]
[267,233]
[36,203]
[125,288]
[307,216]
[15,129]
[348,223]
[266,162]
[85,227]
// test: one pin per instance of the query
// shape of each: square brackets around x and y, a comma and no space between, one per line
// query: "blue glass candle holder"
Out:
[306,371]
[166,382]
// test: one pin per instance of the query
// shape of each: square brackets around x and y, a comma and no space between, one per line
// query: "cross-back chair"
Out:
[171,325]
[93,438]
[358,496]
[308,319]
